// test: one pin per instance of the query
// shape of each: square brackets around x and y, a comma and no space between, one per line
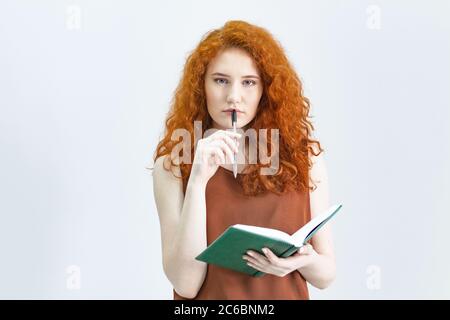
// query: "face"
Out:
[232,81]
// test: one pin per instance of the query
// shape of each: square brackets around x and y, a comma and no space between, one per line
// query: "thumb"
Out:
[306,249]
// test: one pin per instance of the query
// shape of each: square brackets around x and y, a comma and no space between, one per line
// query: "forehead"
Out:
[233,61]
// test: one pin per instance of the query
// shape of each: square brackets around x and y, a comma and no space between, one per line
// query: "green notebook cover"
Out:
[227,250]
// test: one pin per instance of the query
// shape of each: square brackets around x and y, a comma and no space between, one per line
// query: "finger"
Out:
[230,140]
[254,266]
[247,258]
[218,152]
[273,259]
[255,262]
[211,158]
[258,257]
[306,249]
[221,144]
[232,143]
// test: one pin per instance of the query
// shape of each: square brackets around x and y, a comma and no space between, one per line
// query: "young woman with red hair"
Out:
[240,67]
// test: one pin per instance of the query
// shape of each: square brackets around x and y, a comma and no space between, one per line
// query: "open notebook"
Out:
[227,250]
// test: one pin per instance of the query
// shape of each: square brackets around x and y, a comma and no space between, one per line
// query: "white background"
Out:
[84,90]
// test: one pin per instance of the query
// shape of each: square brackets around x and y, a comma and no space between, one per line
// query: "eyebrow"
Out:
[225,75]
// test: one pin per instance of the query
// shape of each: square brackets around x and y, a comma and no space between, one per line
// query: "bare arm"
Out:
[183,217]
[182,221]
[321,271]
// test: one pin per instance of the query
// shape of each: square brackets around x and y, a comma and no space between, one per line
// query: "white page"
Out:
[273,233]
[296,238]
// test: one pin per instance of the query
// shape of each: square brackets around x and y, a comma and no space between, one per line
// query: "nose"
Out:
[234,95]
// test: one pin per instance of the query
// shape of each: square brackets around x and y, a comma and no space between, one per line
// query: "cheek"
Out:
[254,102]
[213,96]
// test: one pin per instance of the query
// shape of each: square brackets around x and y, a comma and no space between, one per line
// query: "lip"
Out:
[229,110]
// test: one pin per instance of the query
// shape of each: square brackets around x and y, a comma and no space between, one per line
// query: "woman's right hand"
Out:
[218,148]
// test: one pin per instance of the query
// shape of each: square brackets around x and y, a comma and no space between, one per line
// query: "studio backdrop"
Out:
[85,87]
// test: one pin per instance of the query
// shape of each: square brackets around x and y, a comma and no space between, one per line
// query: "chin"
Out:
[223,124]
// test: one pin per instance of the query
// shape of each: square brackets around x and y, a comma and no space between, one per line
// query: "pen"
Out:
[233,122]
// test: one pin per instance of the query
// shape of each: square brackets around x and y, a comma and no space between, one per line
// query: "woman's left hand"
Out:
[271,264]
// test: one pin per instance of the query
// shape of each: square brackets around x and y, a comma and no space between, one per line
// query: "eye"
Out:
[215,80]
[251,81]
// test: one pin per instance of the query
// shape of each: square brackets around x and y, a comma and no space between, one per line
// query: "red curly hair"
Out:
[282,106]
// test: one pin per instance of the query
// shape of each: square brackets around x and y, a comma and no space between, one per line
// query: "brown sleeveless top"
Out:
[227,205]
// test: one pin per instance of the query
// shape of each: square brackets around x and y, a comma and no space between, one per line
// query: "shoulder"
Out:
[163,173]
[319,195]
[318,170]
[162,166]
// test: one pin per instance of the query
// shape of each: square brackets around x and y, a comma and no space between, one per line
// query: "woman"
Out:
[240,67]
